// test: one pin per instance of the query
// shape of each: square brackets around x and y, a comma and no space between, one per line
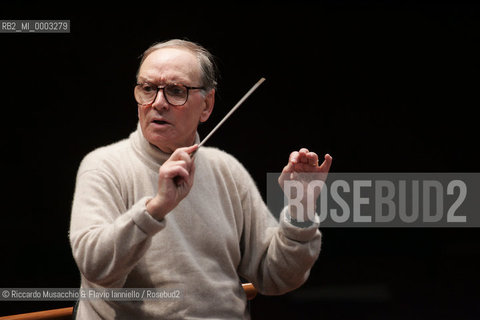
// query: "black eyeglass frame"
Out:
[165,95]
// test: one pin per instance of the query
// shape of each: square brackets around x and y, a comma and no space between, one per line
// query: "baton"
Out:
[239,103]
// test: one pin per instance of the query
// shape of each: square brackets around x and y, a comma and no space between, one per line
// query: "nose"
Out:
[160,102]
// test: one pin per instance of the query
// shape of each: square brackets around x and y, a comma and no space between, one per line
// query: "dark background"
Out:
[381,86]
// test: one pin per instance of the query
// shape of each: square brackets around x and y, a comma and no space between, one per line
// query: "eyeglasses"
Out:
[175,94]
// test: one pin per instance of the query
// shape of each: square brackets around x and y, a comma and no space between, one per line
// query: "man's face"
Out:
[166,126]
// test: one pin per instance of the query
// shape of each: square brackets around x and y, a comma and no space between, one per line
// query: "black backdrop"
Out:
[381,86]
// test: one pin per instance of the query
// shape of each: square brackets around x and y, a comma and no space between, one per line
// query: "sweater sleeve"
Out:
[277,255]
[108,239]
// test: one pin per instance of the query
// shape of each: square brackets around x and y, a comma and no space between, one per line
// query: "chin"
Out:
[167,140]
[160,141]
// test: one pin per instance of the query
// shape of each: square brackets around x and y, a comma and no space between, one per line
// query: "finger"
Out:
[293,159]
[312,159]
[180,162]
[185,156]
[289,168]
[173,164]
[191,149]
[184,152]
[302,155]
[325,166]
[181,155]
[176,171]
[185,178]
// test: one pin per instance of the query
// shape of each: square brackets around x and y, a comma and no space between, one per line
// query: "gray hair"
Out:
[205,59]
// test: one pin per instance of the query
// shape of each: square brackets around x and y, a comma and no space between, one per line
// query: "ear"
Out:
[208,106]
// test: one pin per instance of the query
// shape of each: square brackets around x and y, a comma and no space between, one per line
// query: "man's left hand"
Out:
[303,167]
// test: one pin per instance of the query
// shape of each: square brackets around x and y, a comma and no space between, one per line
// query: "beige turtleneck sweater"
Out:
[220,232]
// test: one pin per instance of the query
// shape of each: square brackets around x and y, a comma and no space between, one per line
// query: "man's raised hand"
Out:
[175,179]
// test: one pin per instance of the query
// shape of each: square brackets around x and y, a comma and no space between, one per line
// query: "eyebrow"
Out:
[142,79]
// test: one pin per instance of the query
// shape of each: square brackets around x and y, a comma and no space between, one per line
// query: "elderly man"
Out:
[147,215]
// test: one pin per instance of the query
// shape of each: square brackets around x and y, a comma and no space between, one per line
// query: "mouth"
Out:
[160,122]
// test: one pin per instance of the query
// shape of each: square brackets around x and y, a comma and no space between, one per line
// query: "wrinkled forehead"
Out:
[168,65]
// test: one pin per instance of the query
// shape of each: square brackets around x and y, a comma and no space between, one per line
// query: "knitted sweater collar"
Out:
[150,154]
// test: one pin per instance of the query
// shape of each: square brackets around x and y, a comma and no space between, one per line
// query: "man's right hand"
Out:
[175,179]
